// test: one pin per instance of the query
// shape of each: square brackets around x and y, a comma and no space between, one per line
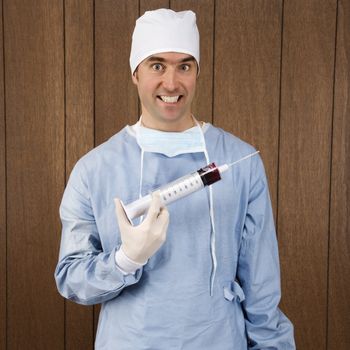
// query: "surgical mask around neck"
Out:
[170,144]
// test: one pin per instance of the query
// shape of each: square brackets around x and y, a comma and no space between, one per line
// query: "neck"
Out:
[170,126]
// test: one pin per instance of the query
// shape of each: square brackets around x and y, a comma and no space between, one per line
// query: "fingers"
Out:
[119,210]
[163,216]
[154,208]
[157,211]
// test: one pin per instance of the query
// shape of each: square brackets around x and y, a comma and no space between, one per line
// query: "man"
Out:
[201,274]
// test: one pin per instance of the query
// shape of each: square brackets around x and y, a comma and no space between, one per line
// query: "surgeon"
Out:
[202,274]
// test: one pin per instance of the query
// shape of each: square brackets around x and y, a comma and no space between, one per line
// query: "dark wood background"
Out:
[276,73]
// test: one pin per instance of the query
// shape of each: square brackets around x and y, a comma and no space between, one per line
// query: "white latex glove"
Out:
[140,242]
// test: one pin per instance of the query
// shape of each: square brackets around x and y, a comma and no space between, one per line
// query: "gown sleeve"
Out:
[259,272]
[85,273]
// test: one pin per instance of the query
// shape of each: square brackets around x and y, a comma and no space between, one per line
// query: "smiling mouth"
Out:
[169,99]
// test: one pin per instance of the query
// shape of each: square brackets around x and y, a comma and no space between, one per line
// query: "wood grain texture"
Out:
[79,77]
[116,101]
[204,9]
[148,5]
[304,177]
[339,257]
[247,76]
[3,233]
[35,170]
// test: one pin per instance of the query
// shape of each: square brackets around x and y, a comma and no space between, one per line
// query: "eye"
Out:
[185,67]
[157,67]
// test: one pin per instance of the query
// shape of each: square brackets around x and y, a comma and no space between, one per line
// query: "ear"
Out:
[135,79]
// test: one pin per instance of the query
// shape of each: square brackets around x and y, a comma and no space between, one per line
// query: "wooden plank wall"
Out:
[34,118]
[305,148]
[339,241]
[3,235]
[275,73]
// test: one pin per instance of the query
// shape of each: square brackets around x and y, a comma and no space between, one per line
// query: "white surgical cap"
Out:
[164,30]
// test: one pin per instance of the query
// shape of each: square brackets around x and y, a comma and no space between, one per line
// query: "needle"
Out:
[246,157]
[224,167]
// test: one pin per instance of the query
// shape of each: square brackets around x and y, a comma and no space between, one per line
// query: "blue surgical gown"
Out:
[167,305]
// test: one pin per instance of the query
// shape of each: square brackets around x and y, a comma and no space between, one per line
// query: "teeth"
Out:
[169,99]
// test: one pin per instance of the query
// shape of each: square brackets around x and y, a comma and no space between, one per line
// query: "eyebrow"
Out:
[161,59]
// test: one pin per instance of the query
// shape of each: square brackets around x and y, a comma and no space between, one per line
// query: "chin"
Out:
[171,119]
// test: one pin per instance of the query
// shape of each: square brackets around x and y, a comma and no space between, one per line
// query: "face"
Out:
[166,85]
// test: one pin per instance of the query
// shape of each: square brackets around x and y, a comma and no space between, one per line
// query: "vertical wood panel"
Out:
[306,117]
[247,75]
[339,266]
[148,5]
[79,133]
[35,160]
[115,94]
[204,9]
[3,271]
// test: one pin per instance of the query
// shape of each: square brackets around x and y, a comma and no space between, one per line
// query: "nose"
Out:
[170,80]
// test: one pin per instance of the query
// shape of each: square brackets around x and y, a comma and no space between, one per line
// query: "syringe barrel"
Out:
[138,207]
[175,190]
[209,174]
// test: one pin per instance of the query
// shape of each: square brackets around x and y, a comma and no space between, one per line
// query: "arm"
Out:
[85,273]
[258,271]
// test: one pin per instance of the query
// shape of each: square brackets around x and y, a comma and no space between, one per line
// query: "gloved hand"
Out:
[140,242]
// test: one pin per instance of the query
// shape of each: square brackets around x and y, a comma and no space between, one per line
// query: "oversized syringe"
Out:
[181,187]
